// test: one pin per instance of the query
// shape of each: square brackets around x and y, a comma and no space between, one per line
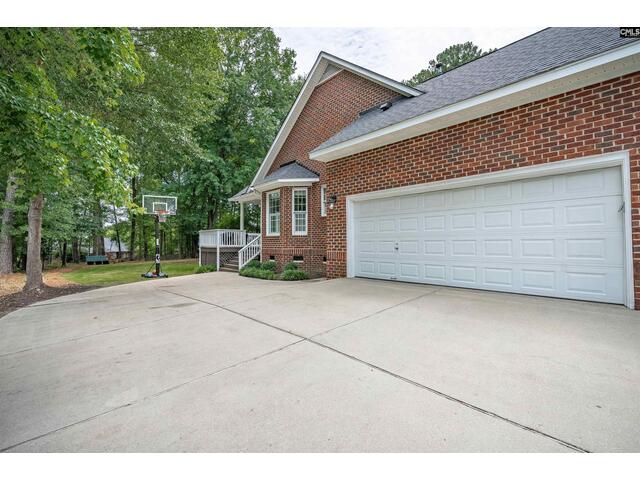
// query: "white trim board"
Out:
[619,159]
[289,182]
[606,66]
[315,75]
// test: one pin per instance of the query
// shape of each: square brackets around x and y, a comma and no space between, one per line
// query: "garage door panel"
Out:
[435,223]
[493,219]
[498,277]
[557,236]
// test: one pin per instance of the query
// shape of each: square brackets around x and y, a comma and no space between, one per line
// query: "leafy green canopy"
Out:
[51,79]
[259,88]
[449,58]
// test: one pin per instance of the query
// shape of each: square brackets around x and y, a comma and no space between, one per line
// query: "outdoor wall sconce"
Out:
[332,201]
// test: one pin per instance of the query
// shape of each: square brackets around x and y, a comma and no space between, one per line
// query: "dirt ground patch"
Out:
[12,297]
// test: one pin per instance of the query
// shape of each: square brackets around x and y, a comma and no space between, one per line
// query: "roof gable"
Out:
[325,67]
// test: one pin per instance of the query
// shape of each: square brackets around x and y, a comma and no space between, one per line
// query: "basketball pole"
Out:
[157,245]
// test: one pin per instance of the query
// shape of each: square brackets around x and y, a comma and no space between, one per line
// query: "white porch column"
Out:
[217,250]
[241,215]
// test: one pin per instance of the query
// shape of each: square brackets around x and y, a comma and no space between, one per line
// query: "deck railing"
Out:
[226,238]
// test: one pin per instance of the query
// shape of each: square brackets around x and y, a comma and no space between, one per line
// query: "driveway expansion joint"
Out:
[459,401]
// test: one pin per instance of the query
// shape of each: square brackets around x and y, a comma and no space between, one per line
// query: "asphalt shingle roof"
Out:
[288,172]
[543,51]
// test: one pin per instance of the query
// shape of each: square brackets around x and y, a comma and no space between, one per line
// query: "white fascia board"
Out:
[315,75]
[387,82]
[289,182]
[595,69]
[246,198]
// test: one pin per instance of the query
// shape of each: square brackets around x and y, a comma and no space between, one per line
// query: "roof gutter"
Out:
[605,66]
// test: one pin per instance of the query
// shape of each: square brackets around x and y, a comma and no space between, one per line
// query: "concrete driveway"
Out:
[217,362]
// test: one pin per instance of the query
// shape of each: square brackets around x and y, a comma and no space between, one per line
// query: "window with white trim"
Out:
[299,211]
[273,213]
[323,200]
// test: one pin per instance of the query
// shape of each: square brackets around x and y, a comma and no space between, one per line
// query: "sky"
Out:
[398,53]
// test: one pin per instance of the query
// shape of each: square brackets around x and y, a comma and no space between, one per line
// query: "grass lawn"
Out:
[126,272]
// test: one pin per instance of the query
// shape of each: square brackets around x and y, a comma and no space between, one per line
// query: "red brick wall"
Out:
[332,106]
[598,119]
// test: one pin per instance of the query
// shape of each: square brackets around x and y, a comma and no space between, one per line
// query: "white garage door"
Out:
[559,236]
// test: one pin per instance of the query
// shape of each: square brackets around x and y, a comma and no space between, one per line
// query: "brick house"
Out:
[516,172]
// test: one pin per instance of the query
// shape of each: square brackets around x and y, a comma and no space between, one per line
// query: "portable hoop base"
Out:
[157,273]
[153,275]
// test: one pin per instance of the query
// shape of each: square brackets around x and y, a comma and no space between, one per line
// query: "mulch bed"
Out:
[14,301]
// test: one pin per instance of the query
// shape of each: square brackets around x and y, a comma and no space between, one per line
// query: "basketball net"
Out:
[162,215]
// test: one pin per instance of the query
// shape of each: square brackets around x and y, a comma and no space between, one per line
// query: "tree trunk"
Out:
[117,227]
[6,242]
[132,238]
[75,251]
[34,261]
[145,244]
[64,254]
[98,238]
[211,214]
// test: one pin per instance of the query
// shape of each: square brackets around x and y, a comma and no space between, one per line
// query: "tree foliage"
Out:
[450,57]
[92,118]
[48,76]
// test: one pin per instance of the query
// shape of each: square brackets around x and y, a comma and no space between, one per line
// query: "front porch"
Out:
[228,249]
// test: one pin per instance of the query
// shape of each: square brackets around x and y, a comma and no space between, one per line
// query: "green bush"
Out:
[291,266]
[253,264]
[294,275]
[258,273]
[206,268]
[270,265]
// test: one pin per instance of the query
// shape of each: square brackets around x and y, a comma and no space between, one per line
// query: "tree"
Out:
[260,87]
[51,82]
[182,89]
[449,58]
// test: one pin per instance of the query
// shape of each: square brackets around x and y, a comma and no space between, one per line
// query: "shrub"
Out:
[258,273]
[294,275]
[291,266]
[253,264]
[206,268]
[270,265]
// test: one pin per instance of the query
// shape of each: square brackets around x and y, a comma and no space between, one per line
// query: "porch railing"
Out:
[224,238]
[250,251]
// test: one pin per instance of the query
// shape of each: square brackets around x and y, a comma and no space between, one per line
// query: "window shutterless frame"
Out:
[323,200]
[299,211]
[273,213]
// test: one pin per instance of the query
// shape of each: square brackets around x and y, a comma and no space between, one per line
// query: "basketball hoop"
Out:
[161,206]
[162,215]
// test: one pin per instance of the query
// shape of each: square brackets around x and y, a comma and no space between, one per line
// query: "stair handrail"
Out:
[250,251]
